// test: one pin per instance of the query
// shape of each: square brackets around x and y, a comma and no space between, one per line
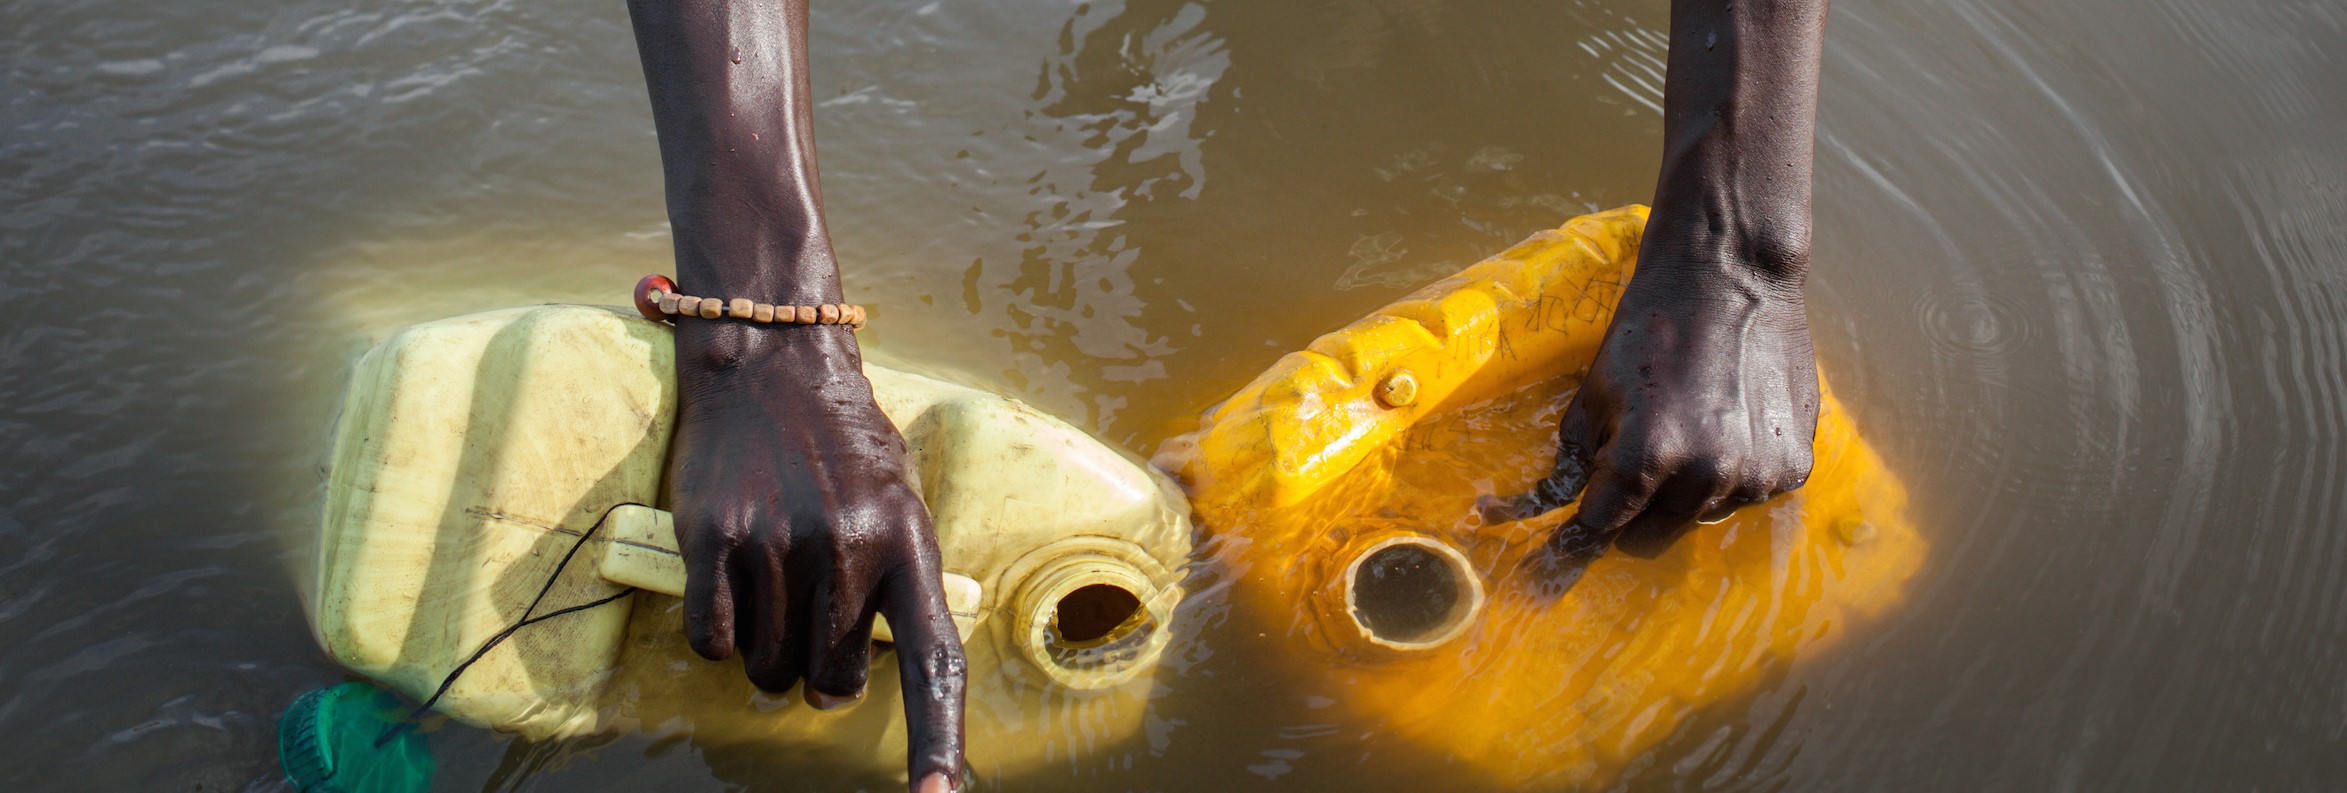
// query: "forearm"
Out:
[1739,118]
[1703,397]
[728,80]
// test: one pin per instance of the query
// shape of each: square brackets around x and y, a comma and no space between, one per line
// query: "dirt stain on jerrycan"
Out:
[1342,502]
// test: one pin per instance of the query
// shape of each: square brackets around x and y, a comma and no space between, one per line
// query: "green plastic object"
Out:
[352,738]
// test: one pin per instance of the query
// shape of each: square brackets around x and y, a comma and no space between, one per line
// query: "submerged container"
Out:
[503,465]
[1343,492]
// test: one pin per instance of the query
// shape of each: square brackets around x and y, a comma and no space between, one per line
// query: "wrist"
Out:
[1721,255]
[1736,173]
[779,264]
[732,353]
[1712,219]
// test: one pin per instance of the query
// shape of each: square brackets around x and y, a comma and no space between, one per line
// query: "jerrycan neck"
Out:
[1089,612]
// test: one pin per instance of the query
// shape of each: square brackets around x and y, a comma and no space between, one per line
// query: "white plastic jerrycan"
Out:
[501,466]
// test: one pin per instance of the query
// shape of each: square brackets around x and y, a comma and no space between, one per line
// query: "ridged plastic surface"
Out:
[352,738]
[1305,468]
[474,452]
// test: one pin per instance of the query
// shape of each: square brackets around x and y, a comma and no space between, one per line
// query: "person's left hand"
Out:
[798,521]
[1703,398]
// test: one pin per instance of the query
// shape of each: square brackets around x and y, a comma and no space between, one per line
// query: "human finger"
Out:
[709,591]
[839,632]
[1577,445]
[1684,496]
[771,630]
[932,670]
[1611,500]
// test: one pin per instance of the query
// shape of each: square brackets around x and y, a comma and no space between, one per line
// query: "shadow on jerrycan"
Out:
[510,462]
[1340,492]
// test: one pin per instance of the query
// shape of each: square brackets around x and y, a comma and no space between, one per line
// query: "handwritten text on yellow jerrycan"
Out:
[1340,490]
[473,454]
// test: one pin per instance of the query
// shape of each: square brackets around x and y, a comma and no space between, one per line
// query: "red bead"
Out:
[648,296]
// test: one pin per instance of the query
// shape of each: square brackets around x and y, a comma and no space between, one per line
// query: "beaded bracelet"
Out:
[658,300]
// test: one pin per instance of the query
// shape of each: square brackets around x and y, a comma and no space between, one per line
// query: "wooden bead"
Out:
[668,303]
[804,315]
[762,313]
[740,308]
[688,306]
[649,292]
[830,314]
[856,316]
[712,308]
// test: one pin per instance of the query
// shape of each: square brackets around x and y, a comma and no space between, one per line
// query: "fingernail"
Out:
[823,701]
[934,783]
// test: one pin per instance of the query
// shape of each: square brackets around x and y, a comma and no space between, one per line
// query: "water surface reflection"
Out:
[2078,276]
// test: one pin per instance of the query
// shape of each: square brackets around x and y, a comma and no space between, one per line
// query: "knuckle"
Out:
[722,514]
[850,539]
[850,514]
[1640,464]
[698,532]
[1796,474]
[875,513]
[944,662]
[715,531]
[1710,474]
[901,506]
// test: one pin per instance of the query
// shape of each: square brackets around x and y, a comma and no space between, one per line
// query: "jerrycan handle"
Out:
[639,550]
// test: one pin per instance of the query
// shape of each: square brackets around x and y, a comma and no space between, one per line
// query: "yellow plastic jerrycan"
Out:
[1340,492]
[507,464]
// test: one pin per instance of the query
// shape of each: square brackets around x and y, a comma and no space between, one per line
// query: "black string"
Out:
[525,621]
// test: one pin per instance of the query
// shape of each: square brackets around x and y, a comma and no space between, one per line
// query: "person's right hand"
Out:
[1702,399]
[797,521]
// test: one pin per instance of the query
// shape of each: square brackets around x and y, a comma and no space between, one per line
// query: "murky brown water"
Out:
[2079,276]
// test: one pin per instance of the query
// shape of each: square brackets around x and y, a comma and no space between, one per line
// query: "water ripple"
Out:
[2077,274]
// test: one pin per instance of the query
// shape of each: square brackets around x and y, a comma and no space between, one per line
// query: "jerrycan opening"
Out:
[1411,593]
[1093,615]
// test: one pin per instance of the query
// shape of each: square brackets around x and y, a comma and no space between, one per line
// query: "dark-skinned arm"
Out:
[794,511]
[1704,396]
